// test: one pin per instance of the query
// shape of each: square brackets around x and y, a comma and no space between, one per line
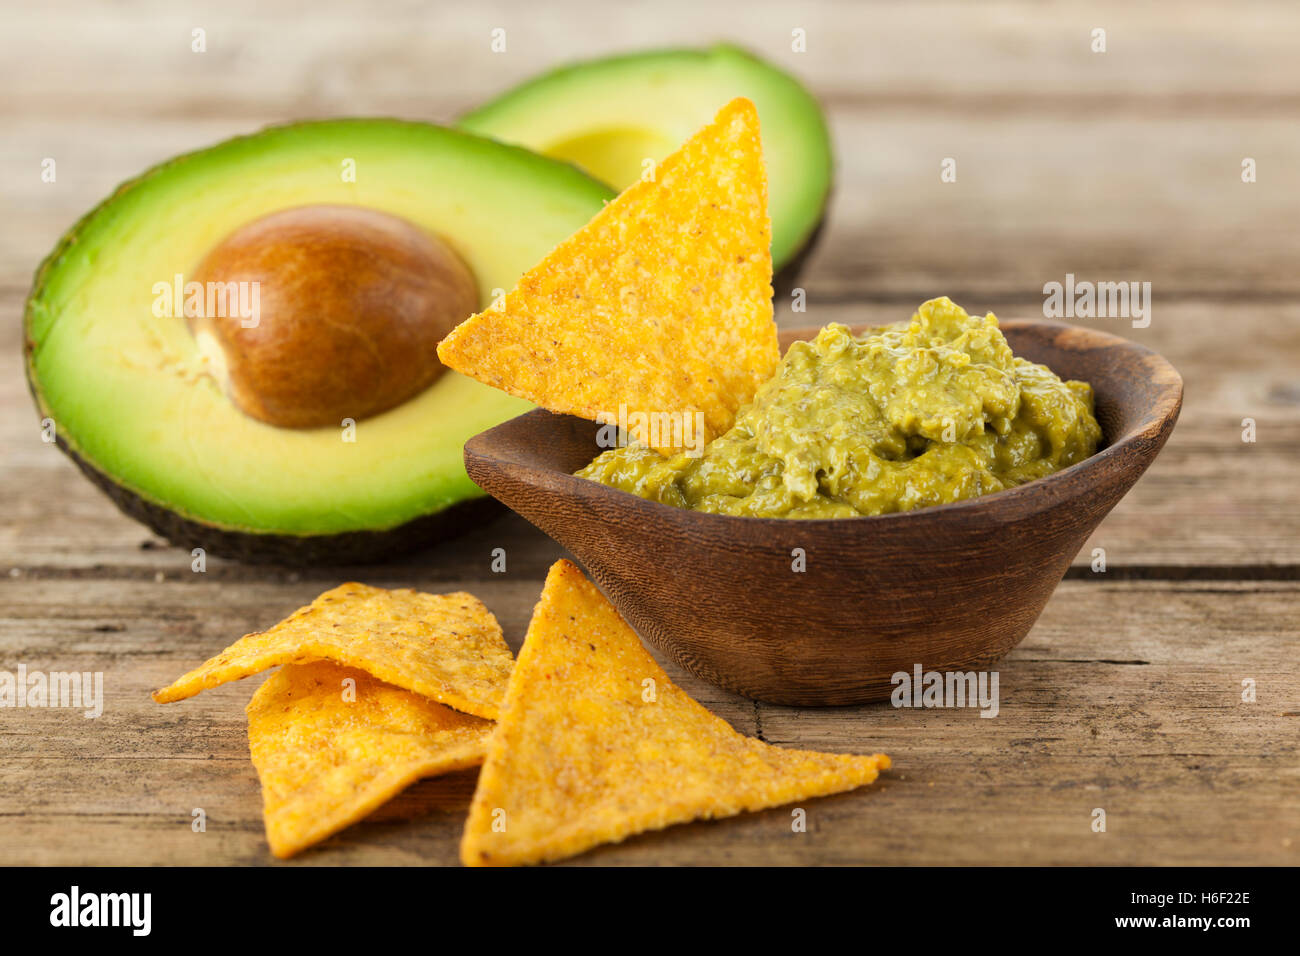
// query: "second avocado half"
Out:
[614,117]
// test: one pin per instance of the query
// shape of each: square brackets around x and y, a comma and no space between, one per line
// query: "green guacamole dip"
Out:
[936,412]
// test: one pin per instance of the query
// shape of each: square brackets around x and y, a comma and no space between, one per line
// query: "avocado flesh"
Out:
[609,115]
[127,390]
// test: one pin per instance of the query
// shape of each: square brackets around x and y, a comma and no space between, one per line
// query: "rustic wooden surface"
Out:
[1123,165]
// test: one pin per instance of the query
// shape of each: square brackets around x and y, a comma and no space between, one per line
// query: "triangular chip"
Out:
[329,754]
[445,646]
[661,305]
[596,744]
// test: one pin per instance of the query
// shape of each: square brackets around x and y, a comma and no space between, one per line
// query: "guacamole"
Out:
[909,417]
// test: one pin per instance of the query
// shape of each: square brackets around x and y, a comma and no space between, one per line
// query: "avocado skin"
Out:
[351,547]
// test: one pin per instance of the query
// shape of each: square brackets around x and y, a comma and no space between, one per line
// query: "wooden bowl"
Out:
[952,588]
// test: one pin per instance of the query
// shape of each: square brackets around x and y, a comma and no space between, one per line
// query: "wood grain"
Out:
[1126,695]
[1139,713]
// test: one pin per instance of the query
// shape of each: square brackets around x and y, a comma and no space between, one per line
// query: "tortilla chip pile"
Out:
[362,704]
[594,743]
[662,303]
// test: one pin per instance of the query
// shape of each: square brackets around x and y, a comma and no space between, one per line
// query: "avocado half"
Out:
[133,408]
[610,115]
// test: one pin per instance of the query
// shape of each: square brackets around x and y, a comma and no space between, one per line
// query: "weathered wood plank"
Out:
[405,56]
[1138,713]
[1107,198]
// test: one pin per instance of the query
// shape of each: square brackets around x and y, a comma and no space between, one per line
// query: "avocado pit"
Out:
[351,305]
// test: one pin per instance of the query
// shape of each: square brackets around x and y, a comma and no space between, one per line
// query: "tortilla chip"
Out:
[589,752]
[327,762]
[661,304]
[445,646]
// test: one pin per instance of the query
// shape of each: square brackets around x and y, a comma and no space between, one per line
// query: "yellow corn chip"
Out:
[445,646]
[596,744]
[662,304]
[329,754]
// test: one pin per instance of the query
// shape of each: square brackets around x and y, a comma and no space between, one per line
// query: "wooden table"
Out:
[1126,696]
